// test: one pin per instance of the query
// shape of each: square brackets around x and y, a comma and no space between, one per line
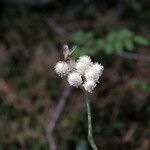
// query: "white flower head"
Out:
[74,79]
[89,86]
[62,68]
[81,67]
[92,75]
[83,63]
[98,68]
[94,72]
[85,59]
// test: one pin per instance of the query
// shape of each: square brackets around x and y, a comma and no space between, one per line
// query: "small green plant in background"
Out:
[119,41]
[114,42]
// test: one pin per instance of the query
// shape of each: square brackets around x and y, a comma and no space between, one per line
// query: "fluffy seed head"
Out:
[83,63]
[61,68]
[85,59]
[94,72]
[89,85]
[98,68]
[92,75]
[81,67]
[74,79]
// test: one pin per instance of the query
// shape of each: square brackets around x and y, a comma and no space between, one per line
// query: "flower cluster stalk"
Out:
[90,134]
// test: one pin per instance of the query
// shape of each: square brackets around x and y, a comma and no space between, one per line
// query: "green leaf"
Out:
[100,44]
[79,52]
[125,33]
[119,46]
[141,40]
[111,37]
[109,48]
[83,51]
[129,45]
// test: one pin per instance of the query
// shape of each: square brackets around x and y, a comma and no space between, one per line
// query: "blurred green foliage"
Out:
[115,42]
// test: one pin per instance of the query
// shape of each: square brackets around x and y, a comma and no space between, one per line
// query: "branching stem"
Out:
[56,116]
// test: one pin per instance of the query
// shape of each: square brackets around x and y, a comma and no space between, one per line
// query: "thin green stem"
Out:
[90,135]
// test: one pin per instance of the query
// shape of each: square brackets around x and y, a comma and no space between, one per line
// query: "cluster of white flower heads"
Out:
[83,72]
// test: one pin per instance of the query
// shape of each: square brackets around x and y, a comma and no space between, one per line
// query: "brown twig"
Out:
[55,117]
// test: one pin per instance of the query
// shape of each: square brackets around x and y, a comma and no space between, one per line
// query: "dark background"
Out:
[113,32]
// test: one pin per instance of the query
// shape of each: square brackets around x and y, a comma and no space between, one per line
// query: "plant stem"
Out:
[90,135]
